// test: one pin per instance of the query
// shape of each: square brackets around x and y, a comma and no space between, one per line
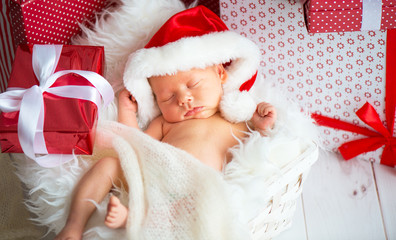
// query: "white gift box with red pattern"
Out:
[333,74]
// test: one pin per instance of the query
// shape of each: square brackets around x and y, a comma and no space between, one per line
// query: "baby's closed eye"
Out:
[167,98]
[193,84]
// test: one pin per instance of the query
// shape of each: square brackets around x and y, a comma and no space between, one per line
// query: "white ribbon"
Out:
[30,103]
[371,15]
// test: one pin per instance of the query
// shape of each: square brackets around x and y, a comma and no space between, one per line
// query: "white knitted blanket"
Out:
[172,195]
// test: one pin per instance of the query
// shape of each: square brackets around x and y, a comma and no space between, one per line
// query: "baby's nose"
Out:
[185,98]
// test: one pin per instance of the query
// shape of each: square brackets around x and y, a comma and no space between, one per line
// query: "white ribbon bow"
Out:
[30,102]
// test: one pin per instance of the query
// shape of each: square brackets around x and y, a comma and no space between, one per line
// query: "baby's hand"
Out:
[126,101]
[264,118]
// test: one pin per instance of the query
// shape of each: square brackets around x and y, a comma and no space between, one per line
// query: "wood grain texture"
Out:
[386,184]
[341,201]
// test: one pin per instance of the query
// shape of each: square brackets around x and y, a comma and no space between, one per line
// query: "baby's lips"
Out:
[193,111]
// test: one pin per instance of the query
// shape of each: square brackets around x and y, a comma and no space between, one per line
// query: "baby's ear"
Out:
[222,73]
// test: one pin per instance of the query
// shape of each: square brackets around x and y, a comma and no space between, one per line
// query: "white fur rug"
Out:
[121,31]
[254,161]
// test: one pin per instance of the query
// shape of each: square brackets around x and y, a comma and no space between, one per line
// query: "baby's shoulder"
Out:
[241,126]
[160,119]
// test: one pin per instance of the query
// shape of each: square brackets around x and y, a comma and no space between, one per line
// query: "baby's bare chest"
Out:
[204,138]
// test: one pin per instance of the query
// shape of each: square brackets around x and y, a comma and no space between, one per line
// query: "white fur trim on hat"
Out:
[237,106]
[185,54]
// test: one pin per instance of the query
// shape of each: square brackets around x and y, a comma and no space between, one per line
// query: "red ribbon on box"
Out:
[367,113]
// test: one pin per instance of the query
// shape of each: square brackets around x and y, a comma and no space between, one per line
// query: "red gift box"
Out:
[346,16]
[50,21]
[40,22]
[69,123]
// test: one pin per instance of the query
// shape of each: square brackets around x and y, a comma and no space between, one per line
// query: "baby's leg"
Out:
[117,214]
[94,185]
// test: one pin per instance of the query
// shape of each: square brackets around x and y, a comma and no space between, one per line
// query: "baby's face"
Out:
[190,94]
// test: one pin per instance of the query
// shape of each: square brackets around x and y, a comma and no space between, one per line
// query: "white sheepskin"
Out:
[254,162]
[50,193]
[125,29]
[121,31]
[237,106]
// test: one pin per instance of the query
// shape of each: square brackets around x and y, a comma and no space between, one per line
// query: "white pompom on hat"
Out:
[195,38]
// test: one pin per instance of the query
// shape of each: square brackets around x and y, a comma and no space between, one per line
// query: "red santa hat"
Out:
[195,38]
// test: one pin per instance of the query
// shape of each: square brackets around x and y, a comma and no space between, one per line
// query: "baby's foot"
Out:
[117,214]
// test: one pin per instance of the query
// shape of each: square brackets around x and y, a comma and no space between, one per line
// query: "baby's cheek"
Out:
[171,115]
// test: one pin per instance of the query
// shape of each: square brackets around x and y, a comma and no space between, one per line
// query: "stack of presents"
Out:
[51,90]
[334,57]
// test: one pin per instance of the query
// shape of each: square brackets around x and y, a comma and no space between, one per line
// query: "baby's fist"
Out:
[126,101]
[264,118]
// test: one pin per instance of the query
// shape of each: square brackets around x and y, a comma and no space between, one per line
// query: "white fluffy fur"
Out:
[50,194]
[254,162]
[123,31]
[237,106]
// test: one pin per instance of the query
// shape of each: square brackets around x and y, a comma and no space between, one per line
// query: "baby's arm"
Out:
[264,118]
[127,108]
[155,128]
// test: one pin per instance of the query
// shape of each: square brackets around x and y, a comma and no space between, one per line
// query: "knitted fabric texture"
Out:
[172,194]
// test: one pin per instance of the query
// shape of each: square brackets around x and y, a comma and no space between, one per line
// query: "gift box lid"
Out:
[334,5]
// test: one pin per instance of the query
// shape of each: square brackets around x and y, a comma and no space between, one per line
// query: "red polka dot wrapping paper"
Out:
[344,16]
[333,74]
[7,45]
[50,21]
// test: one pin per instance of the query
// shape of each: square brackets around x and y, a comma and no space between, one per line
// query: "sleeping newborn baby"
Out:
[189,101]
[190,120]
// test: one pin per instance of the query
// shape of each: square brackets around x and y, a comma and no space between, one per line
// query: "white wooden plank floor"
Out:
[346,200]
